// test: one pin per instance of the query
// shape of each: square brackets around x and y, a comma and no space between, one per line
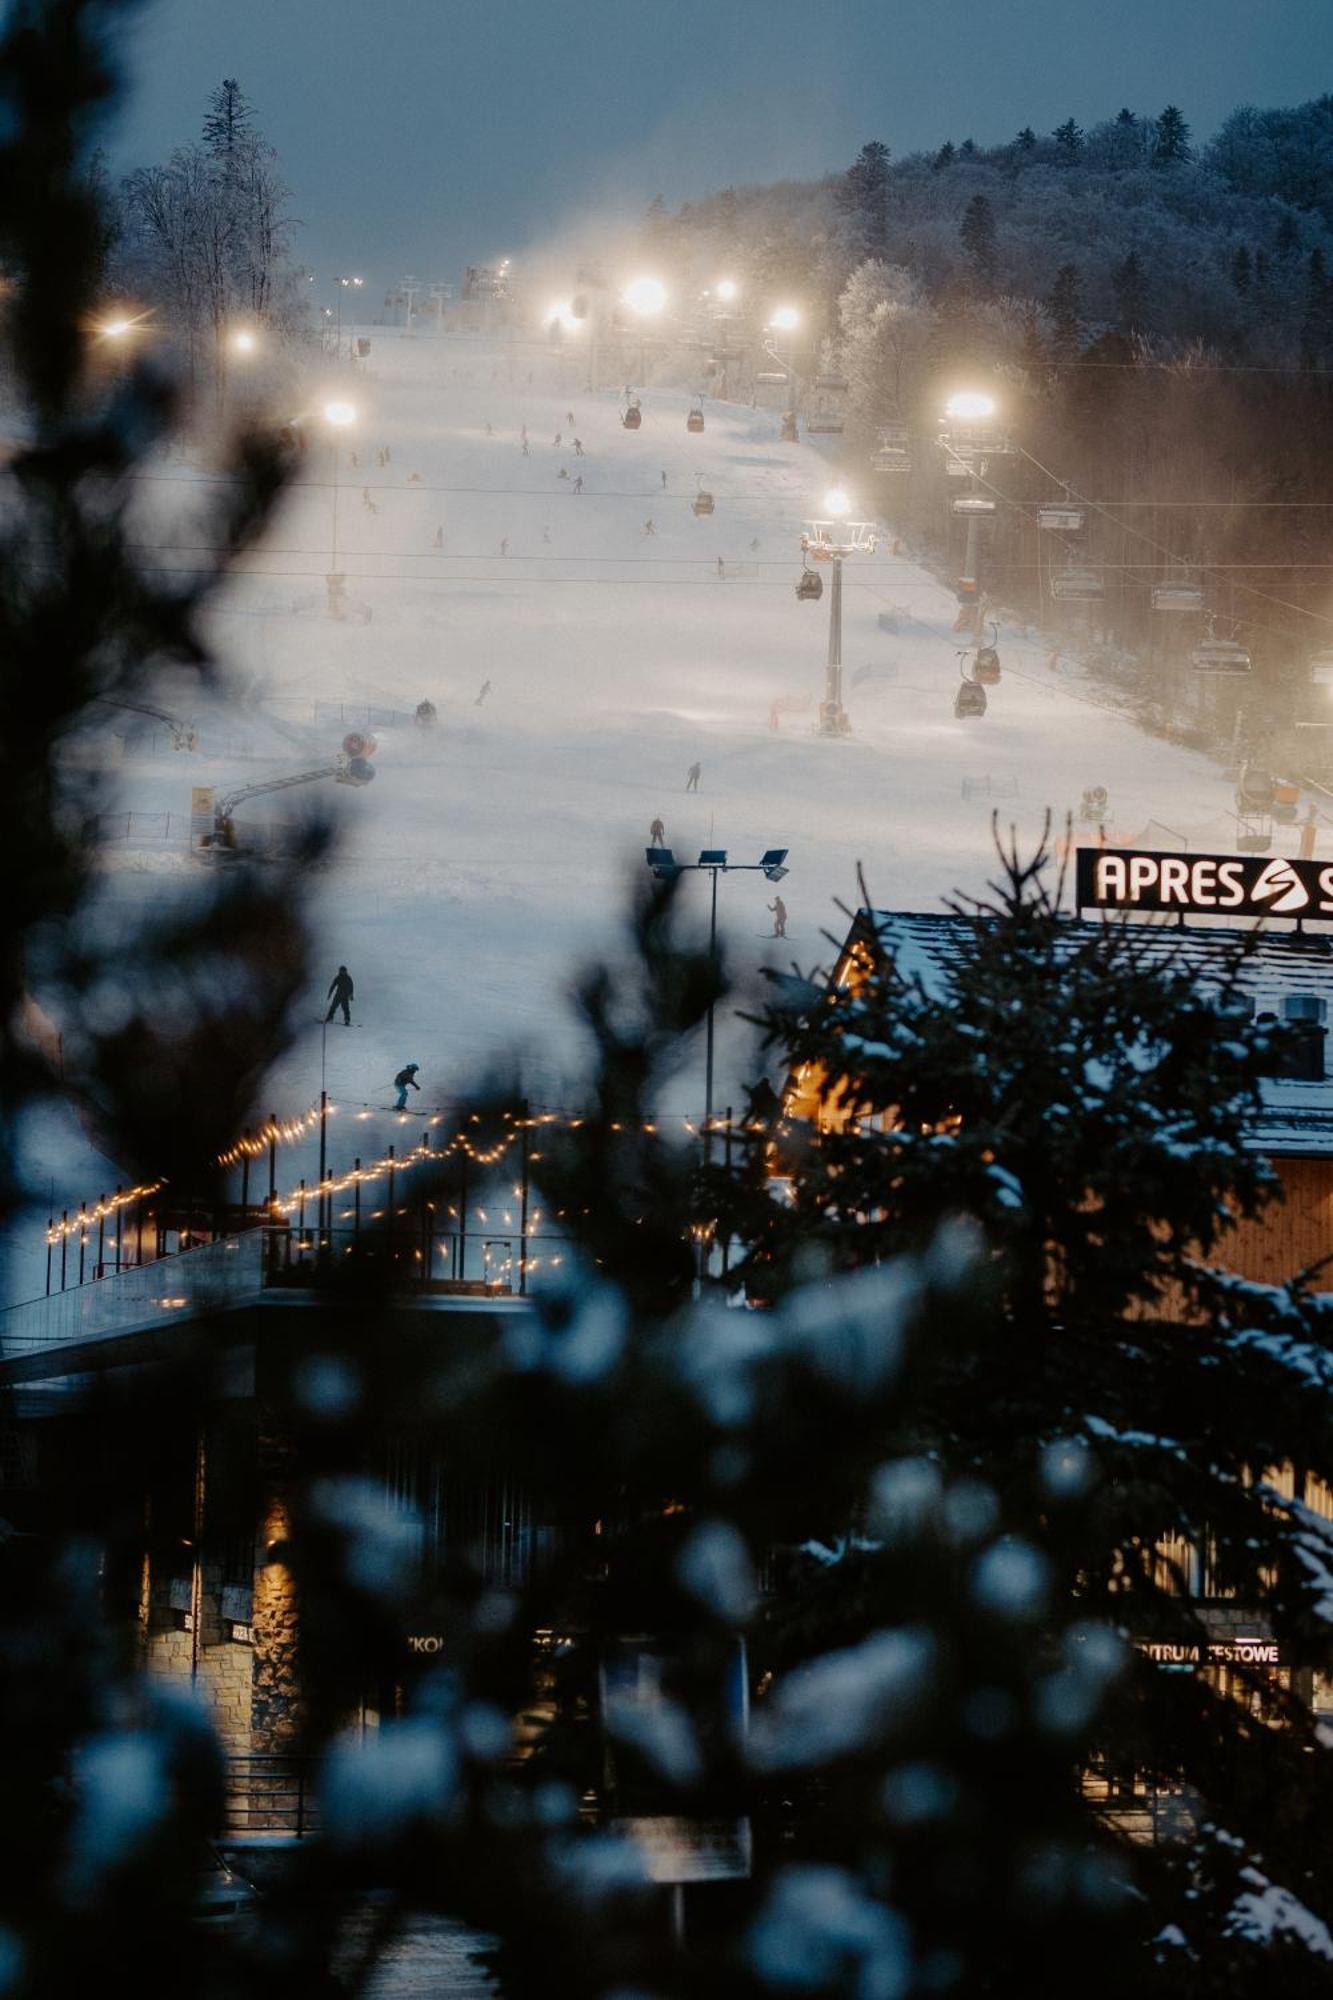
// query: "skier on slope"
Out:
[578,484]
[340,994]
[648,527]
[405,1080]
[578,448]
[439,536]
[657,833]
[779,910]
[484,691]
[664,482]
[692,777]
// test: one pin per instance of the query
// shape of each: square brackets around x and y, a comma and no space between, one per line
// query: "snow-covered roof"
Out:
[1298,1115]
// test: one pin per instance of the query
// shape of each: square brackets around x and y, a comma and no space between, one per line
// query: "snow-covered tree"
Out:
[976,233]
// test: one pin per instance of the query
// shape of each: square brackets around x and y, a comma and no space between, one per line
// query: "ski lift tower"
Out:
[784,322]
[338,416]
[832,540]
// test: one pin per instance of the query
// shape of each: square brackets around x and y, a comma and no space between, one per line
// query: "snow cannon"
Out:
[356,771]
[355,744]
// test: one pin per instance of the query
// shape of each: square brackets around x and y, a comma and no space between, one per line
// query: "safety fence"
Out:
[271,1794]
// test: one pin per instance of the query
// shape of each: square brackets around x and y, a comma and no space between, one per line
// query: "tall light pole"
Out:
[339,416]
[786,319]
[713,861]
[645,298]
[344,285]
[969,437]
[832,540]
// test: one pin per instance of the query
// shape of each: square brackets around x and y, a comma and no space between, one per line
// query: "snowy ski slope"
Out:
[489,857]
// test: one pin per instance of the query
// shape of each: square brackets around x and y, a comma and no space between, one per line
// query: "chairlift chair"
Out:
[824,423]
[970,700]
[810,586]
[633,416]
[772,377]
[702,503]
[695,420]
[978,506]
[1321,668]
[1255,835]
[790,434]
[1220,656]
[834,383]
[1066,520]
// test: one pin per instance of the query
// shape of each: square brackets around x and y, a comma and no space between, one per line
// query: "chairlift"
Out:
[695,420]
[810,586]
[894,453]
[702,502]
[1220,656]
[824,423]
[1321,668]
[977,506]
[970,700]
[1177,597]
[633,416]
[834,383]
[1094,804]
[986,666]
[1061,519]
[1255,835]
[772,377]
[1078,586]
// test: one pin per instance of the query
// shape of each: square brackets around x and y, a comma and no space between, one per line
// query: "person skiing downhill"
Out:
[485,690]
[779,910]
[692,777]
[657,833]
[648,527]
[578,484]
[340,994]
[439,538]
[578,448]
[405,1080]
[664,482]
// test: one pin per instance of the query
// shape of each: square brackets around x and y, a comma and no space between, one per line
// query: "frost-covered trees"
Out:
[976,233]
[207,233]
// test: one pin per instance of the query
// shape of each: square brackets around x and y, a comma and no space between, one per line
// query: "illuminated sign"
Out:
[1203,885]
[1216,1653]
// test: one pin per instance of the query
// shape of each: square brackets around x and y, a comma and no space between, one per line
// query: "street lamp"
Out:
[713,861]
[339,416]
[832,539]
[727,289]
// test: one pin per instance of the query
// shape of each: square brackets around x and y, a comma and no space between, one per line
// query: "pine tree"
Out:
[1172,139]
[1075,1093]
[229,121]
[976,233]
[865,196]
[1287,241]
[945,156]
[1066,310]
[1026,140]
[1068,140]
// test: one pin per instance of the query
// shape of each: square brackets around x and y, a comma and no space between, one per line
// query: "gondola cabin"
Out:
[695,420]
[1078,586]
[632,418]
[702,503]
[970,701]
[810,586]
[1060,520]
[1220,656]
[986,666]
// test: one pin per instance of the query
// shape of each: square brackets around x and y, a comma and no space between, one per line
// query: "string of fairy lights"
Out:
[274,1133]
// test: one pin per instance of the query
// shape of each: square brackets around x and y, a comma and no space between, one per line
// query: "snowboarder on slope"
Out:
[405,1080]
[692,777]
[779,909]
[340,995]
[657,833]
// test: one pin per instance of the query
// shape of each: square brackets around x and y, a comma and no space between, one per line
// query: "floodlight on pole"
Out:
[970,405]
[785,319]
[340,414]
[645,297]
[243,341]
[727,289]
[838,503]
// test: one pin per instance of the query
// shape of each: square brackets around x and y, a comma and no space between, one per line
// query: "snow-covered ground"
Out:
[490,856]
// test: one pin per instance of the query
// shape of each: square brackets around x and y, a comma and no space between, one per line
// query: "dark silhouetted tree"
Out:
[1068,140]
[976,233]
[1066,310]
[1171,141]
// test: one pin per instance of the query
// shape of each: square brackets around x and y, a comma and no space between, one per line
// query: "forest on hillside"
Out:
[1154,320]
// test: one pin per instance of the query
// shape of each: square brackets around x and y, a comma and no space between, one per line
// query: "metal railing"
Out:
[187,1282]
[271,1793]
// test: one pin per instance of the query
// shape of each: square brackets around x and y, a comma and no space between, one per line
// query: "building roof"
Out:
[1298,1116]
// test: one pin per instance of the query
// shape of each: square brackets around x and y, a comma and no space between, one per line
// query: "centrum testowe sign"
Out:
[1203,885]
